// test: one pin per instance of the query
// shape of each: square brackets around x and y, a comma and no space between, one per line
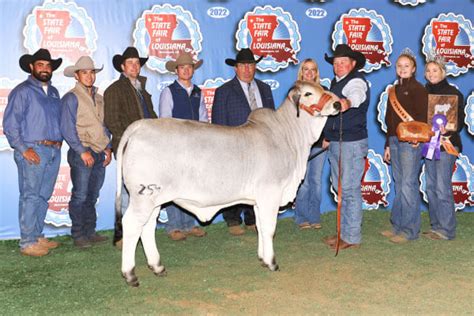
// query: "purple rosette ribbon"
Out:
[433,147]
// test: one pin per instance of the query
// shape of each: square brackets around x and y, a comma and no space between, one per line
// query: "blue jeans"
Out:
[439,189]
[36,183]
[352,165]
[86,184]
[406,165]
[178,219]
[308,199]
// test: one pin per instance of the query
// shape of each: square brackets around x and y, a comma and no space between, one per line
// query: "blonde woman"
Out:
[308,199]
[439,172]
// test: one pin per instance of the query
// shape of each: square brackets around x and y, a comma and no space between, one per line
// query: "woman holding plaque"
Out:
[439,169]
[408,101]
[308,200]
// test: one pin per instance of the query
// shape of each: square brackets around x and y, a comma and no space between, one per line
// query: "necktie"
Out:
[252,100]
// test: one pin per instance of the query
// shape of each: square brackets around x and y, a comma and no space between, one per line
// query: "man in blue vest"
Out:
[90,149]
[352,88]
[182,99]
[31,125]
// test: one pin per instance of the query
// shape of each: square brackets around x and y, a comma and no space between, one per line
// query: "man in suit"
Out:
[233,102]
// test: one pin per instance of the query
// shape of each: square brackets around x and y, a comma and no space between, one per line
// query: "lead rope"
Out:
[339,187]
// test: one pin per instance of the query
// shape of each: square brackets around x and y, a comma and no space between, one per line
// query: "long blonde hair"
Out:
[300,71]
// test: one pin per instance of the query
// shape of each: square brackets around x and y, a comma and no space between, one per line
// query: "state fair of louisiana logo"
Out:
[375,184]
[6,86]
[410,2]
[462,182]
[367,32]
[208,90]
[271,33]
[376,180]
[451,36]
[63,28]
[469,110]
[165,31]
[58,209]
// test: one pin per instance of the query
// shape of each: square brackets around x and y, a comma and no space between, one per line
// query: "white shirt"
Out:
[355,90]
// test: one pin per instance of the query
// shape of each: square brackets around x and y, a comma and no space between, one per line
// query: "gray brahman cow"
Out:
[204,168]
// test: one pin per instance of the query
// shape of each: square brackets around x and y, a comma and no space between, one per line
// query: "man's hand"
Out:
[325,143]
[108,157]
[31,156]
[345,105]
[87,159]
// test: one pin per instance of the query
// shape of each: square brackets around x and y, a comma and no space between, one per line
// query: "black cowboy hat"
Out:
[245,56]
[41,54]
[344,50]
[130,52]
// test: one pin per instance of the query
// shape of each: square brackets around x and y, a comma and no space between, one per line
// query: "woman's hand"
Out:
[386,155]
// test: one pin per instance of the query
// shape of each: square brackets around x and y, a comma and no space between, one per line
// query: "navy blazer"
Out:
[230,106]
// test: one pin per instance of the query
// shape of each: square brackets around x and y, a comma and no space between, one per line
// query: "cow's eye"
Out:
[307,94]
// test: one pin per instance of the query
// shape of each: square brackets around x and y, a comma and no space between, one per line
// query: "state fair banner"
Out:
[451,36]
[375,182]
[367,32]
[165,31]
[6,86]
[208,90]
[412,3]
[65,29]
[469,110]
[58,205]
[270,33]
[462,183]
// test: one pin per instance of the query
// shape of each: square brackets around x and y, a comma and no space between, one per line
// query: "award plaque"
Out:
[446,105]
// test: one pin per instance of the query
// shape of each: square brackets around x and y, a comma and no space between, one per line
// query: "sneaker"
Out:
[177,235]
[82,243]
[48,244]
[434,235]
[316,226]
[96,238]
[236,230]
[34,250]
[304,225]
[399,239]
[388,233]
[196,232]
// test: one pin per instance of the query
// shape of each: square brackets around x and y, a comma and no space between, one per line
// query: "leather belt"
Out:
[51,143]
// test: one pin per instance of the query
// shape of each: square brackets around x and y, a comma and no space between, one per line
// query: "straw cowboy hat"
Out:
[344,50]
[245,56]
[130,52]
[41,54]
[183,59]
[83,63]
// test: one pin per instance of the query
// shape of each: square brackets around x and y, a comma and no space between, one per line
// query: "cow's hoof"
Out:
[131,278]
[158,270]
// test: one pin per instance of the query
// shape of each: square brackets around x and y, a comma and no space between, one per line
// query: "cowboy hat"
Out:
[183,59]
[245,56]
[344,50]
[130,52]
[83,63]
[41,54]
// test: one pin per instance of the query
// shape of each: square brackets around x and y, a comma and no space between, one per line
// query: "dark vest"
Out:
[184,106]
[354,120]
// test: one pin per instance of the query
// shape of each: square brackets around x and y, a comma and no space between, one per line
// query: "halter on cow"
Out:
[205,168]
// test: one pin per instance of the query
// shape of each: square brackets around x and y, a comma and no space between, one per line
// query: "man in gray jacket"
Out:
[82,126]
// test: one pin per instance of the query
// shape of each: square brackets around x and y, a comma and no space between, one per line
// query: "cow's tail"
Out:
[118,195]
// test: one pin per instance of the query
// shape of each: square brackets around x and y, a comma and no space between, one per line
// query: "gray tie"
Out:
[252,100]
